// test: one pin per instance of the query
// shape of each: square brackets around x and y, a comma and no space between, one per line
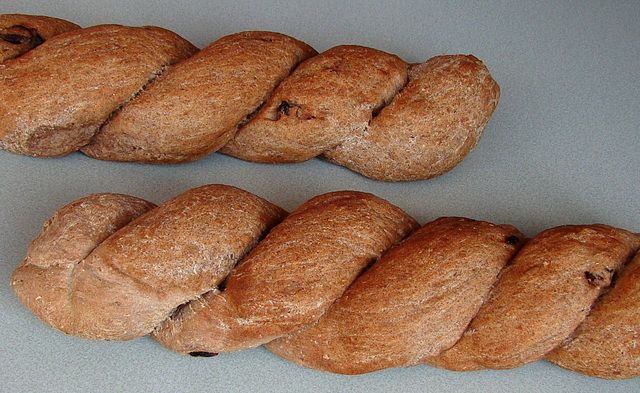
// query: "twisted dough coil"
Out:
[347,283]
[147,95]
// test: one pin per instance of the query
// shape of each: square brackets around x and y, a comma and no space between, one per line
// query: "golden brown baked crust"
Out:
[195,106]
[307,261]
[324,101]
[21,33]
[541,297]
[411,304]
[132,280]
[42,280]
[245,95]
[457,293]
[607,343]
[429,127]
[87,74]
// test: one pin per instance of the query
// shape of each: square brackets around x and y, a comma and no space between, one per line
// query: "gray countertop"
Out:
[561,148]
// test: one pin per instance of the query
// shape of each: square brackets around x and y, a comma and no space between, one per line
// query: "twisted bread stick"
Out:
[347,283]
[146,95]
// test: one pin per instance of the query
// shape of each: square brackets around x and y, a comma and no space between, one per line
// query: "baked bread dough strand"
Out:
[292,277]
[353,106]
[600,347]
[541,298]
[416,301]
[196,106]
[429,127]
[21,33]
[116,93]
[413,307]
[55,97]
[132,280]
[326,100]
[346,283]
[43,281]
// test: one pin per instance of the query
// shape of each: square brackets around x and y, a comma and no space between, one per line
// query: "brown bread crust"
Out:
[308,260]
[195,107]
[133,279]
[607,343]
[42,280]
[413,303]
[541,297]
[88,73]
[340,285]
[147,95]
[429,127]
[326,100]
[21,33]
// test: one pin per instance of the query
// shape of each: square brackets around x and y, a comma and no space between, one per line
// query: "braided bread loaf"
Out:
[147,95]
[347,283]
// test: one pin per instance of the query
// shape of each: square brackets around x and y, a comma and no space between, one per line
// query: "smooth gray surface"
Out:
[561,148]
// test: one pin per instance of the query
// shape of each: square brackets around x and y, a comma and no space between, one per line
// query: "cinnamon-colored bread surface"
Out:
[429,127]
[56,96]
[606,345]
[292,277]
[195,106]
[347,283]
[326,100]
[147,95]
[21,33]
[542,297]
[128,282]
[44,280]
[413,303]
